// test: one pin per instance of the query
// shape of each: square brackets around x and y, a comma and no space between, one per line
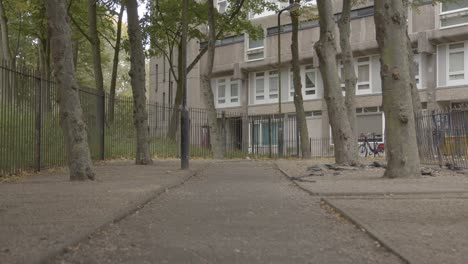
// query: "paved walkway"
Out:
[234,212]
[41,214]
[424,220]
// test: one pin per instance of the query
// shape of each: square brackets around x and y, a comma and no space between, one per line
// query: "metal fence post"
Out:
[38,123]
[253,136]
[101,115]
[269,136]
[223,128]
[280,136]
[297,139]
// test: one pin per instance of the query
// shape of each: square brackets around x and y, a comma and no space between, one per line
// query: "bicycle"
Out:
[365,147]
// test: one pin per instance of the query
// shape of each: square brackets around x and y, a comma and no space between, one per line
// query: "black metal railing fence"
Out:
[443,137]
[31,137]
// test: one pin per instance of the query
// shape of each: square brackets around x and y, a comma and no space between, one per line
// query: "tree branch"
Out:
[218,35]
[79,28]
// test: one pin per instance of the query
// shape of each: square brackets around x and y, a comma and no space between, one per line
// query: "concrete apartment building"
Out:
[246,71]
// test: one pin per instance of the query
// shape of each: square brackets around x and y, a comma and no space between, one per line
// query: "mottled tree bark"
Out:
[326,51]
[115,65]
[71,114]
[5,44]
[138,81]
[400,142]
[349,73]
[298,100]
[414,88]
[95,45]
[175,116]
[215,137]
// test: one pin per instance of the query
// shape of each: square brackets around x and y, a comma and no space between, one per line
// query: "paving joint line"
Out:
[121,215]
[347,216]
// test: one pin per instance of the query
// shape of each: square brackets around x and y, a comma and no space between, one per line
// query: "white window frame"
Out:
[291,91]
[465,64]
[441,14]
[417,58]
[369,83]
[272,74]
[315,88]
[227,82]
[303,72]
[226,8]
[249,50]
[342,84]
[266,89]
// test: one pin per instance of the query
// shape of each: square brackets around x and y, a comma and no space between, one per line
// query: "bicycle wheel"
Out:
[362,151]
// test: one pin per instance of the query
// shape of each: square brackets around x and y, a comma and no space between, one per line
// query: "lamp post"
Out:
[184,117]
[291,7]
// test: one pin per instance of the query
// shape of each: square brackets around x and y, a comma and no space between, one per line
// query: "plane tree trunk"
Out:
[138,81]
[349,73]
[71,114]
[298,100]
[215,137]
[400,142]
[115,66]
[95,45]
[337,110]
[175,116]
[414,88]
[5,39]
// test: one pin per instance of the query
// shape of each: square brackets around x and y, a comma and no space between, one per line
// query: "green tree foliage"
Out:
[29,44]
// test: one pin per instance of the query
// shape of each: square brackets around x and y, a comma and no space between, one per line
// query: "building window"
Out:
[227,92]
[310,88]
[259,86]
[273,92]
[266,87]
[417,69]
[308,80]
[342,78]
[291,85]
[370,122]
[456,63]
[222,6]
[261,133]
[255,49]
[234,98]
[363,75]
[453,13]
[221,91]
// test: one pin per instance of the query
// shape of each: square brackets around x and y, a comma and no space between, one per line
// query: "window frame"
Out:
[258,140]
[417,76]
[266,87]
[273,74]
[304,92]
[249,50]
[225,9]
[227,81]
[303,72]
[442,13]
[465,64]
[357,63]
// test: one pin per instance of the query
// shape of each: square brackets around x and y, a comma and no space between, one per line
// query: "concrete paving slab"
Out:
[423,220]
[234,212]
[423,228]
[41,214]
